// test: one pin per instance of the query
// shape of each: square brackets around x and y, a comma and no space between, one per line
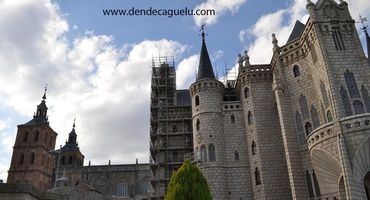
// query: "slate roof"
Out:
[205,69]
[297,31]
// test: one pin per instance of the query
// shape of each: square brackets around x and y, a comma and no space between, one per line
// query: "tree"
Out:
[188,183]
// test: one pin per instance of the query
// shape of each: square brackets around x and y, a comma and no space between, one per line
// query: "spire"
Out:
[72,139]
[205,69]
[42,109]
[275,42]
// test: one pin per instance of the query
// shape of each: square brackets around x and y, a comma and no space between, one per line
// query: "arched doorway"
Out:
[367,185]
[342,189]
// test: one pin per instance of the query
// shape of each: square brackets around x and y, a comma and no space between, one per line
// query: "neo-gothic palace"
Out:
[296,128]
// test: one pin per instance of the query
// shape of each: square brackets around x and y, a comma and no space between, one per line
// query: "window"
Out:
[232,117]
[351,84]
[63,160]
[246,92]
[257,176]
[338,40]
[329,116]
[37,134]
[315,117]
[21,159]
[345,101]
[32,158]
[308,128]
[122,189]
[300,131]
[70,160]
[296,71]
[211,153]
[203,154]
[250,117]
[304,107]
[253,147]
[198,125]
[365,96]
[236,155]
[25,136]
[316,184]
[197,100]
[324,94]
[309,184]
[359,107]
[174,129]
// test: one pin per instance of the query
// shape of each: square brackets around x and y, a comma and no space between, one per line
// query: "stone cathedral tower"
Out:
[31,161]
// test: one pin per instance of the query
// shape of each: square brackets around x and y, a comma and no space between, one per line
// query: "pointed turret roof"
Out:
[297,31]
[40,117]
[71,144]
[205,69]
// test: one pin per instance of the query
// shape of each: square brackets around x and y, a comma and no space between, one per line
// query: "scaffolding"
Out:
[170,125]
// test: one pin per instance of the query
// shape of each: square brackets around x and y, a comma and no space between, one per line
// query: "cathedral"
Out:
[297,128]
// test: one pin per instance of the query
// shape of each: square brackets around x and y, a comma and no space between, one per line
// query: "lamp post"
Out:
[54,152]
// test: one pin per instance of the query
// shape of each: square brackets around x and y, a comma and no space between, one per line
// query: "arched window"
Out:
[309,184]
[300,130]
[198,125]
[211,153]
[351,84]
[236,155]
[316,184]
[365,96]
[324,94]
[315,117]
[250,117]
[203,154]
[253,147]
[21,159]
[174,128]
[70,160]
[257,176]
[232,117]
[246,92]
[296,71]
[63,160]
[37,134]
[304,107]
[32,158]
[345,101]
[359,107]
[25,136]
[329,116]
[308,128]
[197,100]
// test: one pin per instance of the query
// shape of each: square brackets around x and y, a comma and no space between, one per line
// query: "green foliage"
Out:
[188,183]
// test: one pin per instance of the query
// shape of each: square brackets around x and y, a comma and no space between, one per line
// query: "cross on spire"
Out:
[362,21]
[202,32]
[46,89]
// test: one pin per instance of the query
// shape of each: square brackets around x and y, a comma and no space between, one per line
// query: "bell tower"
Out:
[31,161]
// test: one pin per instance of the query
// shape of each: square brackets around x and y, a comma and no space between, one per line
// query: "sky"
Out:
[98,67]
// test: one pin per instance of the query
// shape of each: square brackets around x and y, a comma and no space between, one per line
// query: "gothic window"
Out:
[351,84]
[232,117]
[315,117]
[21,159]
[197,100]
[174,129]
[359,107]
[246,92]
[70,160]
[211,153]
[365,96]
[203,154]
[296,71]
[316,184]
[250,117]
[236,155]
[25,136]
[308,128]
[32,158]
[253,147]
[37,134]
[299,124]
[309,184]
[257,176]
[122,189]
[338,40]
[198,125]
[345,101]
[63,160]
[324,94]
[329,116]
[304,107]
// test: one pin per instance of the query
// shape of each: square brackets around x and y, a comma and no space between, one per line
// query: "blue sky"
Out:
[98,67]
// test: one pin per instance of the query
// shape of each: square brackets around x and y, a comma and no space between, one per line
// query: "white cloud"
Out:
[220,6]
[105,86]
[185,73]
